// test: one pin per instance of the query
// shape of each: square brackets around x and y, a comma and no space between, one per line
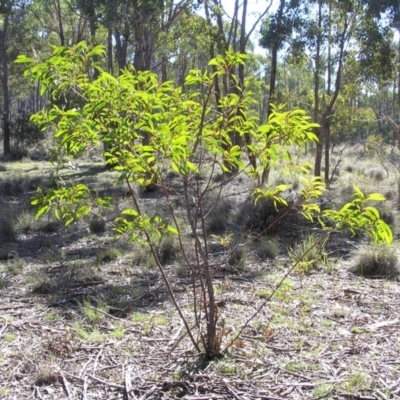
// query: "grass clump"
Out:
[167,250]
[379,260]
[268,248]
[108,255]
[90,335]
[26,222]
[309,254]
[10,337]
[376,174]
[15,265]
[39,282]
[93,314]
[218,217]
[97,226]
[237,257]
[46,376]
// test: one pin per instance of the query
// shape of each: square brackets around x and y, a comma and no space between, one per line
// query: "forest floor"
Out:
[86,316]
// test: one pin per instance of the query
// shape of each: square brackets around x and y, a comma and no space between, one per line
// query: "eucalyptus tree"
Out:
[329,38]
[276,31]
[60,21]
[15,30]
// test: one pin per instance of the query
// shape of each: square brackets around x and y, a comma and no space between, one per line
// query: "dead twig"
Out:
[5,325]
[65,386]
[114,385]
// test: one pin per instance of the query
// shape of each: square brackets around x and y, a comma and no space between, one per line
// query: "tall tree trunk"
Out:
[272,81]
[121,47]
[57,7]
[93,28]
[326,122]
[4,84]
[319,131]
[110,67]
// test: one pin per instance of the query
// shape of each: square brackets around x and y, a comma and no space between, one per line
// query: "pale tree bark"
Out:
[5,84]
[328,92]
[317,79]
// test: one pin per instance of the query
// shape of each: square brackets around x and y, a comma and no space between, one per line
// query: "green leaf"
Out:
[376,197]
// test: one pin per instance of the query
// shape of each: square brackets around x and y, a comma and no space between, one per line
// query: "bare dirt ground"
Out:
[80,322]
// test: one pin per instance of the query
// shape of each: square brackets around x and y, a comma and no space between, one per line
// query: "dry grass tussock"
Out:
[376,261]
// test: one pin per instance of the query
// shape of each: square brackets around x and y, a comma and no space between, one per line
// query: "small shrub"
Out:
[97,226]
[309,254]
[3,168]
[268,248]
[376,260]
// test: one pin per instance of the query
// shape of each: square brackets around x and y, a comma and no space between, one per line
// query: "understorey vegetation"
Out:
[172,141]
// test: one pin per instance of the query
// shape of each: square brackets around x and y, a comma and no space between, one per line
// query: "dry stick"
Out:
[65,386]
[97,359]
[212,320]
[85,385]
[164,275]
[231,390]
[128,384]
[356,396]
[37,393]
[5,325]
[197,317]
[273,292]
[114,385]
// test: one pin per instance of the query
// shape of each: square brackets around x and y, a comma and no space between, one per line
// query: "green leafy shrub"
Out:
[267,217]
[150,129]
